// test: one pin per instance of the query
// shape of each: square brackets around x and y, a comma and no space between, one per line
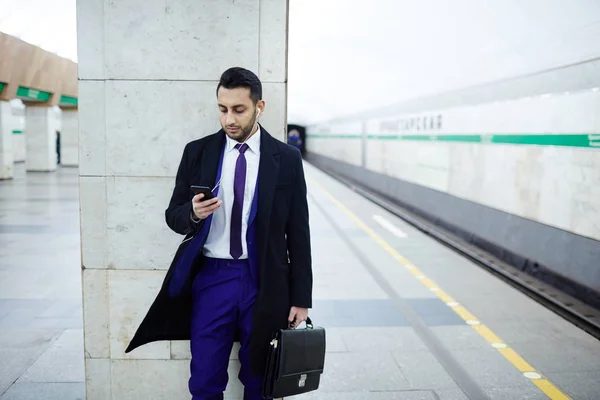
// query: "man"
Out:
[244,269]
[295,140]
[57,147]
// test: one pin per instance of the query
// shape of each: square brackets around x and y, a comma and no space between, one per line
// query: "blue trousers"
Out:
[223,297]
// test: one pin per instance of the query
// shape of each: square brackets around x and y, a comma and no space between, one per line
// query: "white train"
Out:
[514,164]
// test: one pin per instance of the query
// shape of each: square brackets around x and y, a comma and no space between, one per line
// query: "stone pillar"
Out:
[41,126]
[143,94]
[18,120]
[69,138]
[6,141]
[19,146]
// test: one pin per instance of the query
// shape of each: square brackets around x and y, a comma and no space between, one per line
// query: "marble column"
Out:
[143,94]
[18,144]
[6,141]
[41,126]
[69,138]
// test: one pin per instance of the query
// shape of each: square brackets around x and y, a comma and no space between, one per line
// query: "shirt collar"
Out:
[253,142]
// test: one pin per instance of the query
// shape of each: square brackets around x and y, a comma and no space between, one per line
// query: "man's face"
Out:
[237,112]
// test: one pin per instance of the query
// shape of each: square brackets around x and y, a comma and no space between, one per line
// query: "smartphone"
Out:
[208,194]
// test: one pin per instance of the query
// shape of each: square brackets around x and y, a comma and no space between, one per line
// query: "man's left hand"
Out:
[297,316]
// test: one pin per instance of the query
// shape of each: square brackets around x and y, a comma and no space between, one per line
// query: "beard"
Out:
[243,131]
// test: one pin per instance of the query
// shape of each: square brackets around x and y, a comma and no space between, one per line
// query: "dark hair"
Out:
[239,77]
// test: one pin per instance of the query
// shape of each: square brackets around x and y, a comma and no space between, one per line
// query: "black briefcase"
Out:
[296,361]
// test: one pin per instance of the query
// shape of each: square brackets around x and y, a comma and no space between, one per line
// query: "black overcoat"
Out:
[284,253]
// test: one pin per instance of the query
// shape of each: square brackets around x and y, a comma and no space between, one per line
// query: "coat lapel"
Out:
[268,171]
[254,207]
[209,173]
[210,161]
[209,165]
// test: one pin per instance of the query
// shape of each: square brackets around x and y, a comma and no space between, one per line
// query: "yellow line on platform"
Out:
[550,390]
[464,313]
[487,334]
[444,296]
[429,283]
[516,360]
[510,354]
[413,269]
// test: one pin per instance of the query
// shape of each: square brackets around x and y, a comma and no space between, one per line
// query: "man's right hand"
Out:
[203,209]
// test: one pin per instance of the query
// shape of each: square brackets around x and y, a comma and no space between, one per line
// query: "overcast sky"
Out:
[50,24]
[348,55]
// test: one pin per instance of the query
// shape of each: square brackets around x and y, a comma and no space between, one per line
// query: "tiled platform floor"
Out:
[41,338]
[389,335]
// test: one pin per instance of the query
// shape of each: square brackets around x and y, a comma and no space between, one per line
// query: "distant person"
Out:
[58,147]
[294,139]
[244,268]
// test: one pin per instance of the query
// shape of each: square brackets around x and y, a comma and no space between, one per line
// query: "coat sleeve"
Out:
[298,242]
[178,213]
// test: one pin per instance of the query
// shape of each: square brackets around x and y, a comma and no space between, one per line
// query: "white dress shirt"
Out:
[218,242]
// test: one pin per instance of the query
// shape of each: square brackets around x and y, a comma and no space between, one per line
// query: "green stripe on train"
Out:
[575,140]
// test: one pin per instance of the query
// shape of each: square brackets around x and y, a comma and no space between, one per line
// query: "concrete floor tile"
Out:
[518,331]
[434,312]
[489,368]
[19,348]
[442,320]
[63,308]
[515,307]
[350,288]
[335,340]
[462,337]
[356,313]
[412,289]
[62,362]
[382,339]
[22,316]
[529,392]
[39,281]
[422,370]
[554,356]
[27,339]
[578,385]
[22,284]
[373,395]
[358,372]
[13,363]
[59,323]
[45,391]
[451,394]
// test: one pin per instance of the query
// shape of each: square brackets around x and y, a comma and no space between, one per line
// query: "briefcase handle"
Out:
[309,324]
